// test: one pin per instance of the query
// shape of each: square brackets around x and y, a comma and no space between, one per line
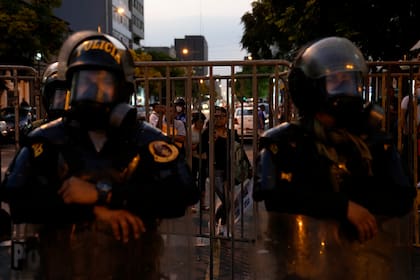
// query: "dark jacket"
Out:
[147,184]
[293,177]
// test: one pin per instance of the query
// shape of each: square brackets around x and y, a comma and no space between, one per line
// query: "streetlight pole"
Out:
[107,16]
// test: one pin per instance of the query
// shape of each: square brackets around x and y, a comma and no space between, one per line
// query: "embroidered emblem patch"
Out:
[163,151]
[286,176]
[38,149]
[274,148]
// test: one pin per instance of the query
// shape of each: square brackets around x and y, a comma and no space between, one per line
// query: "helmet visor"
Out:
[344,83]
[58,100]
[98,86]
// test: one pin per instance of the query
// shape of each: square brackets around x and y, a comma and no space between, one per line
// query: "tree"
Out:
[29,28]
[157,72]
[383,30]
[243,86]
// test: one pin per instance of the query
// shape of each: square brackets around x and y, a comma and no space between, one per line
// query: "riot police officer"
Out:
[97,179]
[332,182]
[53,92]
[53,96]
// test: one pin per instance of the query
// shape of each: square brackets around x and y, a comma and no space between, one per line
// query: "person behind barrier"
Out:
[98,180]
[261,119]
[407,113]
[179,103]
[222,163]
[166,122]
[24,103]
[156,116]
[332,181]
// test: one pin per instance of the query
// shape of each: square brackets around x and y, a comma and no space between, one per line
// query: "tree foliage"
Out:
[384,30]
[157,87]
[29,28]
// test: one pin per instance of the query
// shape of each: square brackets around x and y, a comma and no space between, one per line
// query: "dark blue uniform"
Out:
[306,182]
[149,177]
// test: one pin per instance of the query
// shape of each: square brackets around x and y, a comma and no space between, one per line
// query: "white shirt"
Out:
[404,106]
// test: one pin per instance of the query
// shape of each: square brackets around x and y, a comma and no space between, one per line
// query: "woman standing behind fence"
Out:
[221,164]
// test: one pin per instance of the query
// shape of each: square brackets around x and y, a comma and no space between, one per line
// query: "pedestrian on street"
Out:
[199,158]
[222,162]
[156,116]
[98,181]
[261,119]
[24,103]
[333,184]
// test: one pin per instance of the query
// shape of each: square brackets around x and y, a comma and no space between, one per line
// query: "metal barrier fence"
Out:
[225,84]
[385,85]
[226,89]
[20,82]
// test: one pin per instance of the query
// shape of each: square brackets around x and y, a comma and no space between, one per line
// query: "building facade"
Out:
[170,51]
[193,47]
[123,19]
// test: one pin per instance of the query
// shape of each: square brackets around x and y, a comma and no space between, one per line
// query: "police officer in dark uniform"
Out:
[53,96]
[97,179]
[336,195]
[53,92]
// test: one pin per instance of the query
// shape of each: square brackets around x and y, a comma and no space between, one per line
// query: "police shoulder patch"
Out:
[38,149]
[273,148]
[163,152]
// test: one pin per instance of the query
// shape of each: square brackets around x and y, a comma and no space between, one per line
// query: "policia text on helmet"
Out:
[99,72]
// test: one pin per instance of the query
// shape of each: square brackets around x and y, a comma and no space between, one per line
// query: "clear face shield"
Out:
[59,99]
[97,86]
[344,98]
[344,83]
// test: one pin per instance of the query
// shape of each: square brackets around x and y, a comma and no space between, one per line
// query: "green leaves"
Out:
[382,30]
[27,29]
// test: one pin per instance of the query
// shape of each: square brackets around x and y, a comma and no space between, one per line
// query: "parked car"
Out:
[248,121]
[7,114]
[248,118]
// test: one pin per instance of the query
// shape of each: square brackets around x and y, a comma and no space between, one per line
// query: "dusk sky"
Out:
[219,21]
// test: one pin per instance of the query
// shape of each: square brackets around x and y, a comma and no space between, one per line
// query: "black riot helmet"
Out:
[328,76]
[100,71]
[53,92]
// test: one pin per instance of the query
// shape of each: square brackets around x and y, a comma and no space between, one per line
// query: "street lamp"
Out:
[185,52]
[119,11]
[38,57]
